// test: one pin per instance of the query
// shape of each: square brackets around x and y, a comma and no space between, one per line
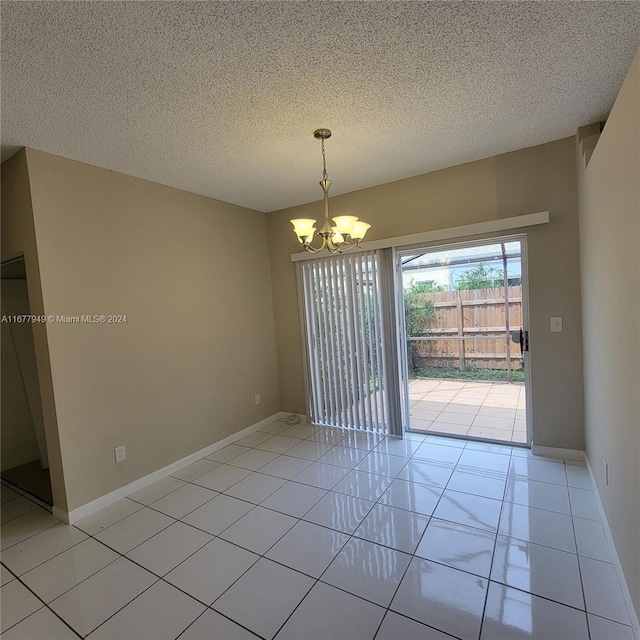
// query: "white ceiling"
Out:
[221,98]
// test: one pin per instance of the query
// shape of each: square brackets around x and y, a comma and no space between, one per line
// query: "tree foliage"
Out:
[481,276]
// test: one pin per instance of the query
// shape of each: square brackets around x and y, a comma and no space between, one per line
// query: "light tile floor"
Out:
[365,537]
[489,410]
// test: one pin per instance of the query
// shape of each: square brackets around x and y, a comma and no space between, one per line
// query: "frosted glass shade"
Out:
[345,224]
[304,228]
[359,230]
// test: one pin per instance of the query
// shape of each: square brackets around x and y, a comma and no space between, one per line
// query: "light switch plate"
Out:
[556,324]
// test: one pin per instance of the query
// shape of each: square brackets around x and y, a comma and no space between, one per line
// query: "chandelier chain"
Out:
[324,162]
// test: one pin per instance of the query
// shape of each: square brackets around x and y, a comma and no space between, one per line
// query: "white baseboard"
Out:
[633,616]
[302,419]
[61,514]
[557,452]
[104,501]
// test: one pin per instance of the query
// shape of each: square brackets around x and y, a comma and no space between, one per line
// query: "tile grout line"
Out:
[45,606]
[26,513]
[349,538]
[316,580]
[493,556]
[155,575]
[120,555]
[396,477]
[575,539]
[437,562]
[37,566]
[55,524]
[484,530]
[277,562]
[162,578]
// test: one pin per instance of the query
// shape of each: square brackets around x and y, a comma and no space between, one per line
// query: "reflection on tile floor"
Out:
[363,537]
[489,410]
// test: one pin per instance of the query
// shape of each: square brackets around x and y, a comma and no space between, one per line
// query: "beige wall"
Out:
[610,265]
[192,276]
[18,236]
[535,179]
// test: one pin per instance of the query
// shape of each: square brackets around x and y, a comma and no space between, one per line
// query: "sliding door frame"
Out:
[401,333]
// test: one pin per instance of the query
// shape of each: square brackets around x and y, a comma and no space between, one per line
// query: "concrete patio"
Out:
[492,410]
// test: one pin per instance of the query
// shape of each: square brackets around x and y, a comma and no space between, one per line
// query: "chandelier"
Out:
[348,230]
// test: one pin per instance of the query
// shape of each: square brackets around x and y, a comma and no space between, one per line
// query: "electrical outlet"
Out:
[556,324]
[257,398]
[606,472]
[121,454]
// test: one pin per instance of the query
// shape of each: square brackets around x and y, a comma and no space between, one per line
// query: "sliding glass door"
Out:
[465,339]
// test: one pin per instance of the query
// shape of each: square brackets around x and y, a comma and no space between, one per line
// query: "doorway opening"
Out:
[464,340]
[24,458]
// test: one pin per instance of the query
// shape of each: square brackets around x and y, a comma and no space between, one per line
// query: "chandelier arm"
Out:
[308,248]
[340,247]
[344,247]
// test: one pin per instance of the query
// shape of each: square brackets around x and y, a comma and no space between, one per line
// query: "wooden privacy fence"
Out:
[468,328]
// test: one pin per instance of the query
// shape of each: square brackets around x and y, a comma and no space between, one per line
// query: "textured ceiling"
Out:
[221,98]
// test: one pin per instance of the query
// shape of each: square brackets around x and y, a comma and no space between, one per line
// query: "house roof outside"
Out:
[461,255]
[446,268]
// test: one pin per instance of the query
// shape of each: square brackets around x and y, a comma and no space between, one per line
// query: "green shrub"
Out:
[420,314]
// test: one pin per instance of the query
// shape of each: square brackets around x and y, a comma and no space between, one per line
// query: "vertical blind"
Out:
[347,354]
